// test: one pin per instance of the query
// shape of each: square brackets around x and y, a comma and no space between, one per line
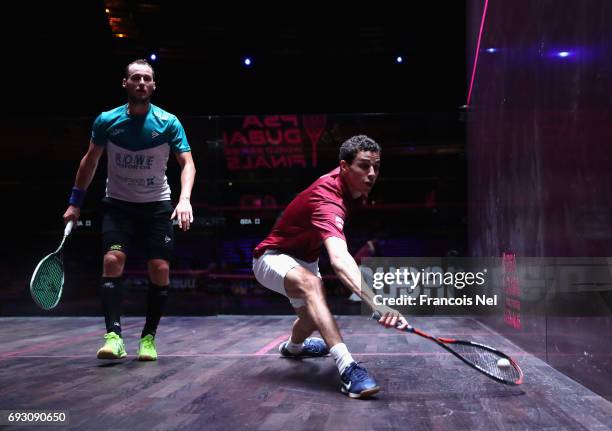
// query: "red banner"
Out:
[272,141]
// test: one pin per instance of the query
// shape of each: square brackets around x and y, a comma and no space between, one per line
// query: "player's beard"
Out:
[139,101]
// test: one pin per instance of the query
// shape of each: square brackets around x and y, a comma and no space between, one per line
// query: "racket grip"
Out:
[376,316]
[68,228]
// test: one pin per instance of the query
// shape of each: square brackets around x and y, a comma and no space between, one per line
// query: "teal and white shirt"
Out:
[138,148]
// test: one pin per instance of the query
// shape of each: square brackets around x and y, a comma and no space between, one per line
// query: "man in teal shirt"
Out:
[139,138]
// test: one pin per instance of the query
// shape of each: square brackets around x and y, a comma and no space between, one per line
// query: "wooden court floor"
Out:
[224,373]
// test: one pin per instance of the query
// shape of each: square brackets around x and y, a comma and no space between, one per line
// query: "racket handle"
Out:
[376,316]
[68,228]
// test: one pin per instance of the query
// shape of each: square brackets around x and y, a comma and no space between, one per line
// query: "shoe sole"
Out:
[105,354]
[301,356]
[146,358]
[362,394]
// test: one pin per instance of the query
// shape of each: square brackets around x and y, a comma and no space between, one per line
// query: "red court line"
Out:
[251,355]
[58,343]
[271,344]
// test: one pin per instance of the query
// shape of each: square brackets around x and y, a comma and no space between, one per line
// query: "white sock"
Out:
[342,357]
[293,347]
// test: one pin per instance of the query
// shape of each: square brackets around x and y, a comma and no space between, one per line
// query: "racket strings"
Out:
[48,281]
[487,361]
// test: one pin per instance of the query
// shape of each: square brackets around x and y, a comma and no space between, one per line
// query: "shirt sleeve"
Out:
[99,135]
[177,138]
[328,220]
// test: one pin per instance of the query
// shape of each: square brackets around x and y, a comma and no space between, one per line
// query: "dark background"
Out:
[307,58]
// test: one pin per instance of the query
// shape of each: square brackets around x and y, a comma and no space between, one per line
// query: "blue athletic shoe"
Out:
[357,383]
[312,348]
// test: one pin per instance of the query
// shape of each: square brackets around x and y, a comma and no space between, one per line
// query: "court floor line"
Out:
[59,342]
[271,344]
[391,333]
[250,355]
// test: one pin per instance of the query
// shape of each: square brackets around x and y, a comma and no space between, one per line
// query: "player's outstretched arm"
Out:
[84,176]
[347,270]
[183,211]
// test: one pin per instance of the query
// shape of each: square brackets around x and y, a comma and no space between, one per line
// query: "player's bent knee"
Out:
[159,266]
[311,288]
[159,270]
[114,263]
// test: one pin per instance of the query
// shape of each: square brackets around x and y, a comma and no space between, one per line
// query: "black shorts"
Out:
[149,222]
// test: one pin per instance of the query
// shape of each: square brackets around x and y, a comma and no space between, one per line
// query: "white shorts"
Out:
[271,267]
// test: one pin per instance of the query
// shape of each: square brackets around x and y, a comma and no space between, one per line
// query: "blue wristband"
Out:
[77,197]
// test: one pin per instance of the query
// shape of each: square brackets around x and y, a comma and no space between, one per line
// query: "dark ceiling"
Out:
[307,59]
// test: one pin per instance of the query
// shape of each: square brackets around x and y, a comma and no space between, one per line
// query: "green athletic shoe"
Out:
[113,347]
[146,348]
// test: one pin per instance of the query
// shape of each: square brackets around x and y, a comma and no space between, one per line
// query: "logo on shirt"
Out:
[154,134]
[167,239]
[163,117]
[116,132]
[339,222]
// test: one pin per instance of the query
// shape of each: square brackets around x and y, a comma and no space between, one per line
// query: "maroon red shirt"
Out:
[314,215]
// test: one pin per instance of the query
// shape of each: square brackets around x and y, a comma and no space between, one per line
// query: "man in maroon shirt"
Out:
[287,261]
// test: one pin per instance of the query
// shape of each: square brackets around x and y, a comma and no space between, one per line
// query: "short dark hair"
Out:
[141,61]
[350,147]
